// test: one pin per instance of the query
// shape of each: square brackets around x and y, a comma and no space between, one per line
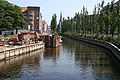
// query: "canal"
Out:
[73,60]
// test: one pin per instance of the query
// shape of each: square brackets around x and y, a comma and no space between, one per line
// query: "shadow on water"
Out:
[102,62]
[52,53]
[13,66]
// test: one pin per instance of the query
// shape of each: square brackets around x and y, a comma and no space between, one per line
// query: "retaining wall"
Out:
[19,50]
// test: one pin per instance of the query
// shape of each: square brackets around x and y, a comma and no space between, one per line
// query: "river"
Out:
[73,60]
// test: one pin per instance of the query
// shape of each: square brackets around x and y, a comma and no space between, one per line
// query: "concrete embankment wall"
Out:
[19,50]
[115,50]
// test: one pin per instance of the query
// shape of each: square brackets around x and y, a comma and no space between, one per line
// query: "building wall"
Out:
[23,9]
[45,26]
[34,16]
[40,23]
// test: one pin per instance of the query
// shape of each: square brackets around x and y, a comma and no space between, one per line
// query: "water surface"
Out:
[73,60]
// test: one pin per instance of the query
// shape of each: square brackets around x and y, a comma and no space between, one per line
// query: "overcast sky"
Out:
[67,7]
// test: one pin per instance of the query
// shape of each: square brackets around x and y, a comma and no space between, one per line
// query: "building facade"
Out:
[34,18]
[45,26]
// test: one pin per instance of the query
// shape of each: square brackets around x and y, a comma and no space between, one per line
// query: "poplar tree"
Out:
[54,23]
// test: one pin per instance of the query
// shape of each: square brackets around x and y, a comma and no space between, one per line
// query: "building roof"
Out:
[33,6]
[23,9]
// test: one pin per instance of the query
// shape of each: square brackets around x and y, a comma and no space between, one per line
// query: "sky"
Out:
[67,7]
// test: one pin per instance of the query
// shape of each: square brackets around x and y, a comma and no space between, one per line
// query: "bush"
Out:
[95,36]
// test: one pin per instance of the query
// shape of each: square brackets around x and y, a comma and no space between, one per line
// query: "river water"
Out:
[73,60]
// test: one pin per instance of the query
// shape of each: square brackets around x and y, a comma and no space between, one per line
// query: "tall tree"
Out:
[112,18]
[118,19]
[54,22]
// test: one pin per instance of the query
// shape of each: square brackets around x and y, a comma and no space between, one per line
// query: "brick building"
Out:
[34,17]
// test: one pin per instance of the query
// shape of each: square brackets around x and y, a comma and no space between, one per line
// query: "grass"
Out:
[115,39]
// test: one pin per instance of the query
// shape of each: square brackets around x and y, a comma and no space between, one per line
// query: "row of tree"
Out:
[105,20]
[10,16]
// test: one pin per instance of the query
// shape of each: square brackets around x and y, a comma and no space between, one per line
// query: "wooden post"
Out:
[4,54]
[19,50]
[14,51]
[9,52]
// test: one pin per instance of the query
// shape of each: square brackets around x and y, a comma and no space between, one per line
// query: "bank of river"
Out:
[13,51]
[103,44]
[73,60]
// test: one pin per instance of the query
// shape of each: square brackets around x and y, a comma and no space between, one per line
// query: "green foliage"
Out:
[10,16]
[54,22]
[103,24]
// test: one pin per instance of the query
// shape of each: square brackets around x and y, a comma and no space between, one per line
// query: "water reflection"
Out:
[94,61]
[73,60]
[13,66]
[52,53]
